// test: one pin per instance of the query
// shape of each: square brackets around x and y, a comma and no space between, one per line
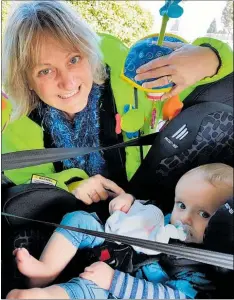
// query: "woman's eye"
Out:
[74,60]
[45,72]
[204,214]
[181,205]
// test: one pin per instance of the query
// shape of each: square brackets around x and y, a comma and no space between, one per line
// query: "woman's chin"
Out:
[71,112]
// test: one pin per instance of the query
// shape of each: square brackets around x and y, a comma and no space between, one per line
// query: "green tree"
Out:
[222,31]
[213,27]
[5,10]
[227,17]
[123,19]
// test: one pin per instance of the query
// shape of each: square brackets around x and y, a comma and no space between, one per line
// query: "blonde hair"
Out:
[24,32]
[217,174]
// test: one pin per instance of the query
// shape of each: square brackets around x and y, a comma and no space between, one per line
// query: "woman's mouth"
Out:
[71,94]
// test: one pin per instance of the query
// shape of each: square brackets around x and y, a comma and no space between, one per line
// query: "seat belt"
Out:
[200,255]
[27,158]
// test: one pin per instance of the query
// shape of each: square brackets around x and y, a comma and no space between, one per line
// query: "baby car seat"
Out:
[201,134]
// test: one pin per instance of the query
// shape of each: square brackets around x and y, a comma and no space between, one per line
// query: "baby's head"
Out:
[198,195]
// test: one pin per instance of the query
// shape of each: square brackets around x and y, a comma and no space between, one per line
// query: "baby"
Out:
[198,195]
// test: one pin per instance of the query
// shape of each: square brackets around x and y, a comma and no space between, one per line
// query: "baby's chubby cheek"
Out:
[174,217]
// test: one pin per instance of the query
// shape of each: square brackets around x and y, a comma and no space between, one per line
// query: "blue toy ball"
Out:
[143,52]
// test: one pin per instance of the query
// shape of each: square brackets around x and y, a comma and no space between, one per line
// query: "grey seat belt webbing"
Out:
[200,255]
[27,158]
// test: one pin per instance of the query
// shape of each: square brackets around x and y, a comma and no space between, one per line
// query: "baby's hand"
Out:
[123,202]
[100,273]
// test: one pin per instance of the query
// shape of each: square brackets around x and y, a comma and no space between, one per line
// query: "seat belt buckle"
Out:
[105,255]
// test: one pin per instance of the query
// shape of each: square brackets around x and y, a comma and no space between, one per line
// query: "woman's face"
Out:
[62,78]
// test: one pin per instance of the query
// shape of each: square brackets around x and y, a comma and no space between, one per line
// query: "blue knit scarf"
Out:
[83,131]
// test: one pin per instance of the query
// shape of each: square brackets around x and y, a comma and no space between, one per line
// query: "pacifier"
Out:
[186,231]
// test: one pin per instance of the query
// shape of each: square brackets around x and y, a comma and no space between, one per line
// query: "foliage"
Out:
[213,27]
[123,19]
[227,17]
[5,9]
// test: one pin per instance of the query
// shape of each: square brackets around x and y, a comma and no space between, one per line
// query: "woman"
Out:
[64,94]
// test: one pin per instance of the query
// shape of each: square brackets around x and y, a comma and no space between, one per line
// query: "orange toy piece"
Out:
[171,107]
[4,103]
[118,124]
[6,111]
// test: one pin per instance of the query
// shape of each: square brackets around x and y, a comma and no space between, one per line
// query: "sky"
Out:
[195,20]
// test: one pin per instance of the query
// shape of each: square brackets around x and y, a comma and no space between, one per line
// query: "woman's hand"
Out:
[122,202]
[100,273]
[185,66]
[96,188]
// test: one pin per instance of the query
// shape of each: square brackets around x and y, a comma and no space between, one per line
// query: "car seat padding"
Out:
[209,139]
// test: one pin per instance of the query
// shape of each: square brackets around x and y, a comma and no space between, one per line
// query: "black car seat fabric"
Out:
[220,91]
[44,202]
[201,134]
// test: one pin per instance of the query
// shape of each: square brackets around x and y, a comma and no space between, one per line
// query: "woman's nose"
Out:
[67,81]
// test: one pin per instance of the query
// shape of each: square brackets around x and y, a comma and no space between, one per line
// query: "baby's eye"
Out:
[181,205]
[204,214]
[45,72]
[74,60]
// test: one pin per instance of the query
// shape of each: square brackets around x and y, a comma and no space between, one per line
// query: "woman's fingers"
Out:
[153,64]
[94,196]
[95,189]
[155,73]
[86,199]
[161,61]
[155,83]
[113,187]
[103,194]
[173,92]
[176,67]
[173,45]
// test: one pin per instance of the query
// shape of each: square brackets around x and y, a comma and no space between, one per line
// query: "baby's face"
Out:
[196,200]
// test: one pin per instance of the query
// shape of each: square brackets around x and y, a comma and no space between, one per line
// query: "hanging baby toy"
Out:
[143,51]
